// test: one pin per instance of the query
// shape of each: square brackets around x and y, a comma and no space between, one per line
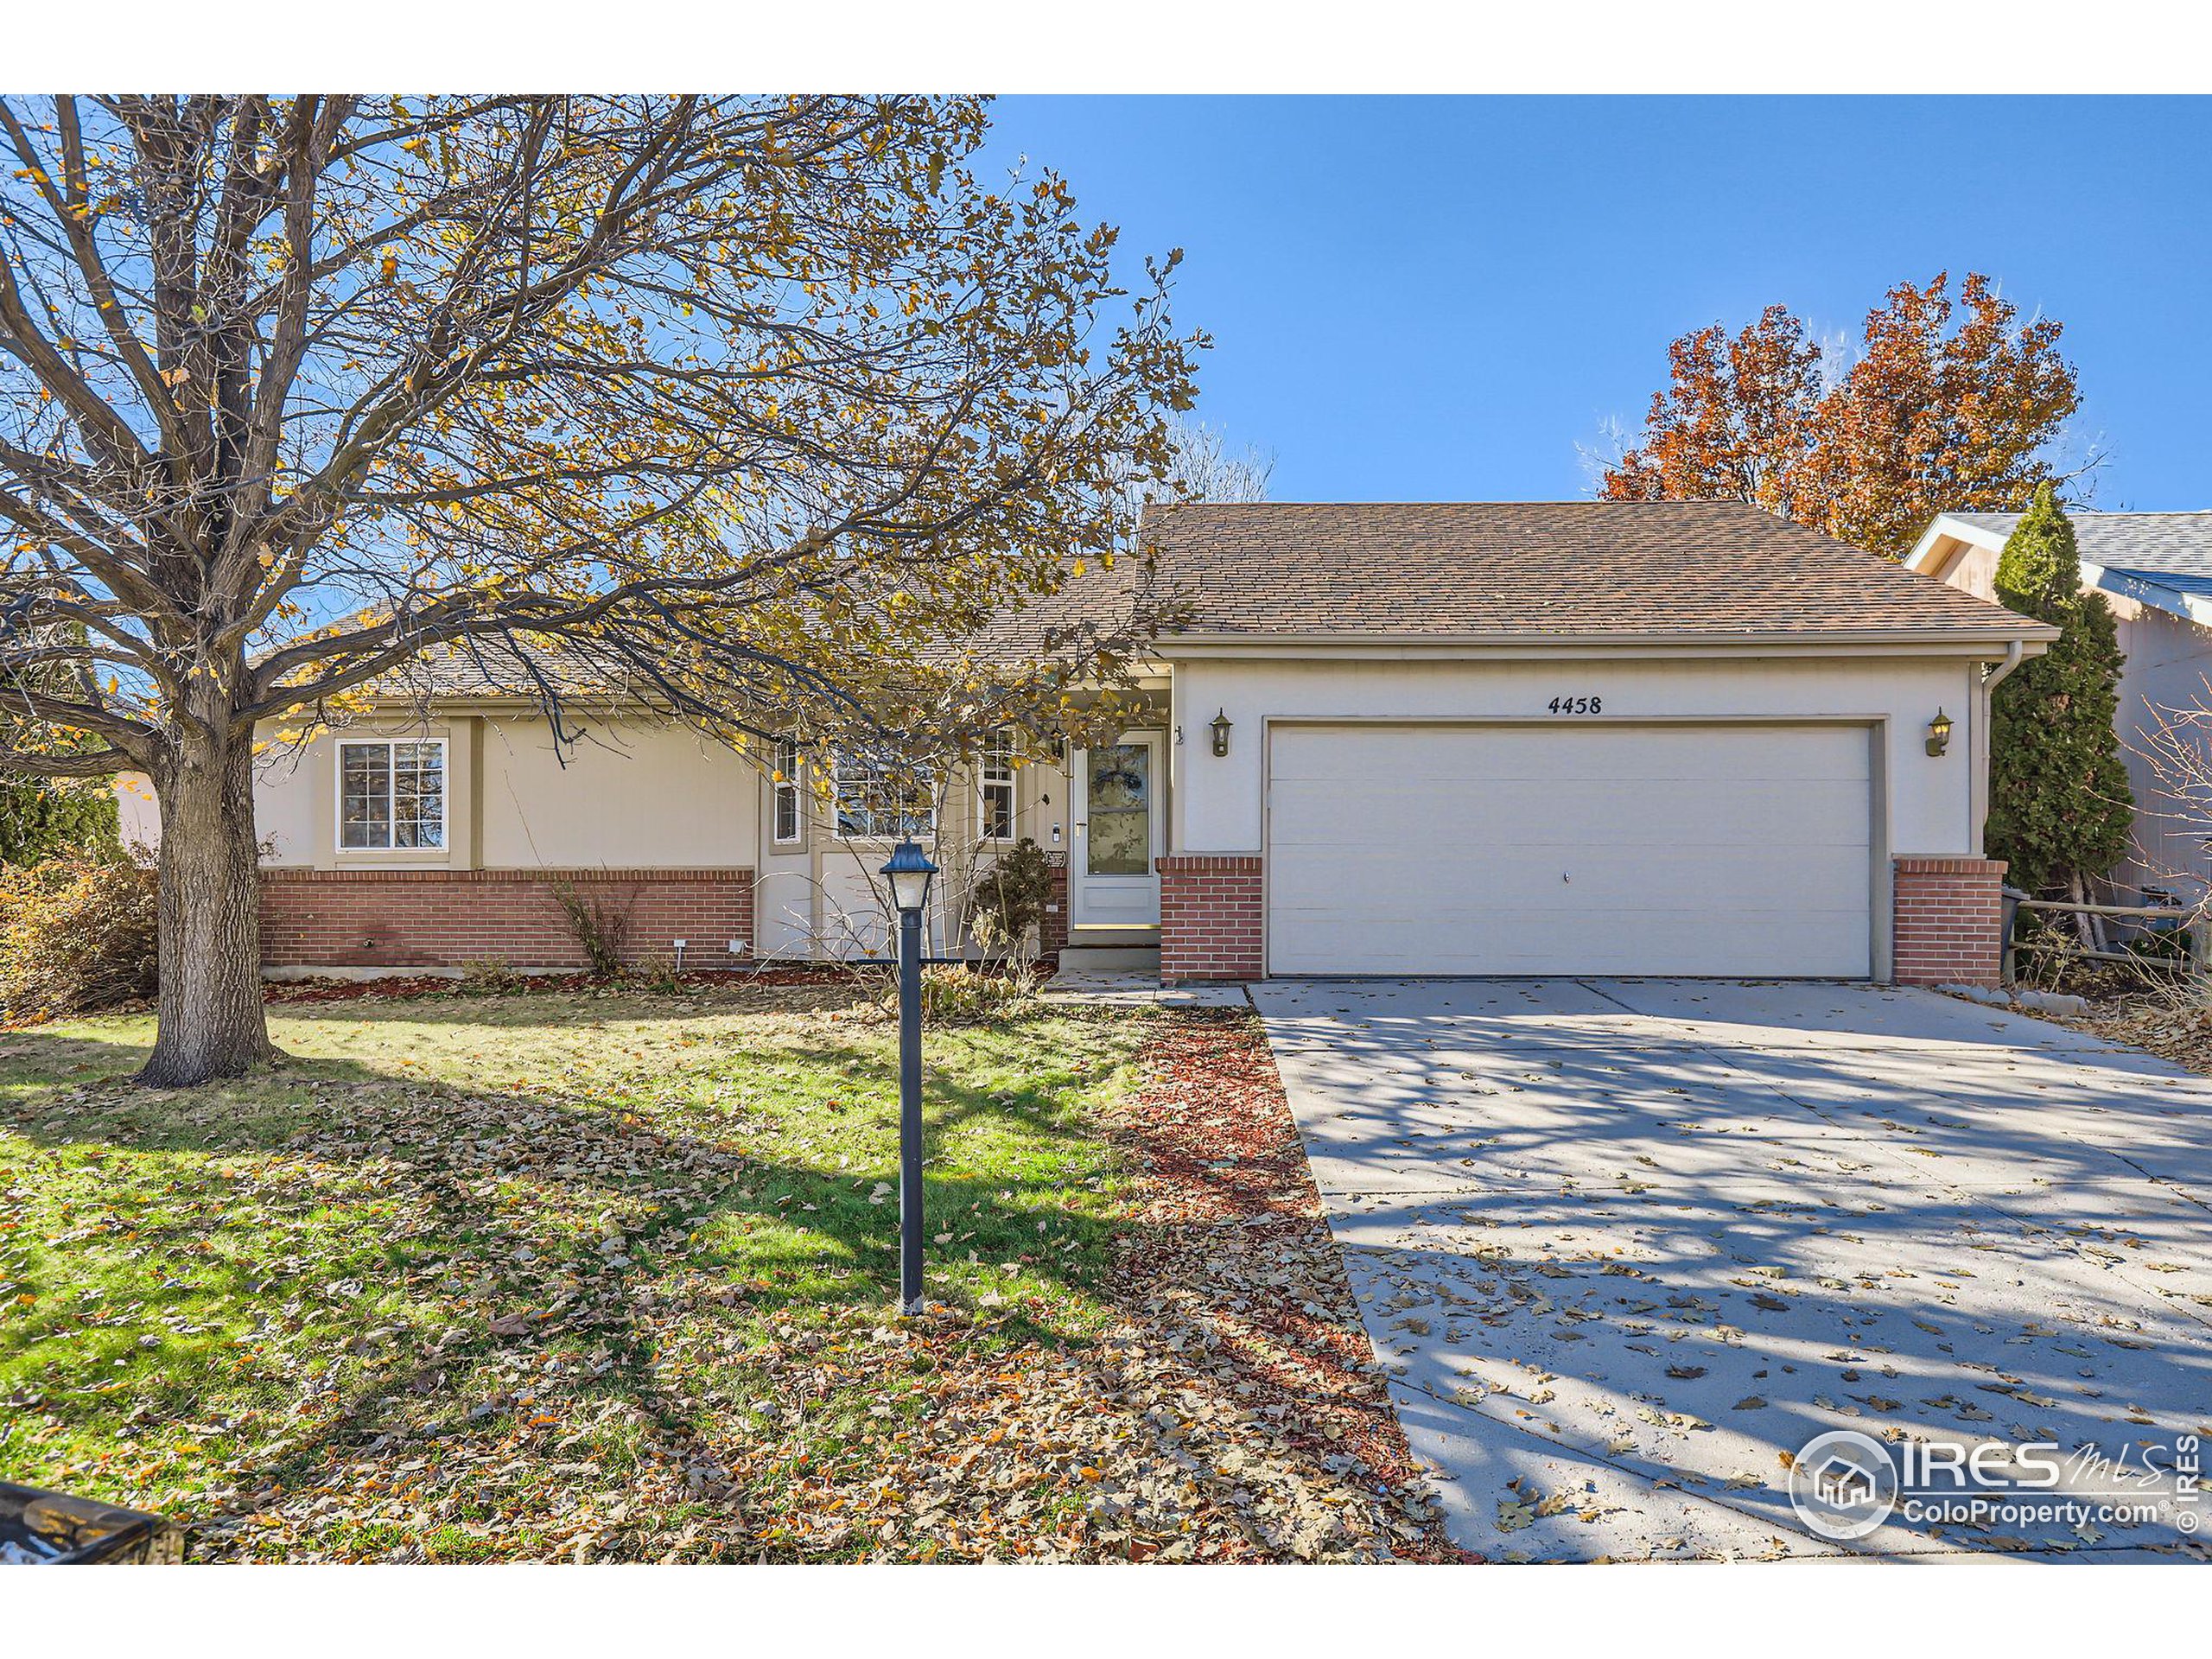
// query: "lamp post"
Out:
[909,873]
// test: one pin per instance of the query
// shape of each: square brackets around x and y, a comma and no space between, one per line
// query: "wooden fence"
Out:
[2192,922]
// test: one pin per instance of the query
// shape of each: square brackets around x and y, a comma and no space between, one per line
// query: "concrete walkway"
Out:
[1116,989]
[1623,1245]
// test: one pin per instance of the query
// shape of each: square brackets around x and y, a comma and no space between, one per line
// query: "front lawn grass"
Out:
[575,1276]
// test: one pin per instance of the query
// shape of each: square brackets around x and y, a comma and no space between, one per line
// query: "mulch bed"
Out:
[1237,1273]
[404,986]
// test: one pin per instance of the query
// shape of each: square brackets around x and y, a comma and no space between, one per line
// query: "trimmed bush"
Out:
[43,817]
[1010,898]
[78,933]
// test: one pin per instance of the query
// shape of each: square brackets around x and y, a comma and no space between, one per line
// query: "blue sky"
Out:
[1437,298]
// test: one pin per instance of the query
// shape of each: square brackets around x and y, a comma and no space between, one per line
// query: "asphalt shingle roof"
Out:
[1548,569]
[2156,546]
[1542,570]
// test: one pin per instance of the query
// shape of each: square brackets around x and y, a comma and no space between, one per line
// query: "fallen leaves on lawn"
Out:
[576,1385]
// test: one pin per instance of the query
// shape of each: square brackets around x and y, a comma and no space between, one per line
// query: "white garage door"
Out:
[1724,850]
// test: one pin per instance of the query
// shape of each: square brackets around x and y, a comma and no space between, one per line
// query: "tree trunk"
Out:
[2091,928]
[210,1019]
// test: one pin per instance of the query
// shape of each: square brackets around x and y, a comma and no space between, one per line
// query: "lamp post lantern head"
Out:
[909,872]
[1221,726]
[1939,733]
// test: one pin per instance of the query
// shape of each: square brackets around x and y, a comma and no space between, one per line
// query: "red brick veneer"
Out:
[446,918]
[1950,920]
[1053,932]
[1211,917]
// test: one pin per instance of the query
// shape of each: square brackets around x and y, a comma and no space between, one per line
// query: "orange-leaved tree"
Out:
[1944,404]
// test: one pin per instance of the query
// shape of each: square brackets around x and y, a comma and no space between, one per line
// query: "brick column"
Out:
[1053,930]
[1210,918]
[1949,921]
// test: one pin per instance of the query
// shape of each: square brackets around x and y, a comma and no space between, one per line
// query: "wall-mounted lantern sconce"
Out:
[1220,727]
[1939,733]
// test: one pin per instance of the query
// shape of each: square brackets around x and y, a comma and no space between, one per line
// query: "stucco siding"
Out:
[1926,804]
[633,794]
[284,805]
[137,816]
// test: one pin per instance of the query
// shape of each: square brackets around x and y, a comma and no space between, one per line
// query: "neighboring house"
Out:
[1567,738]
[2156,569]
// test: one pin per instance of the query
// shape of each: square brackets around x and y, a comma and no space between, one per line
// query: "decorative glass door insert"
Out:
[1120,809]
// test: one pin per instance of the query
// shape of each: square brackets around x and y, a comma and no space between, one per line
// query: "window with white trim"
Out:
[789,818]
[994,788]
[392,794]
[878,800]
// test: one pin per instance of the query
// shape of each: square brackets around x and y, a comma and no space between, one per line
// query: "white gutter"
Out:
[2015,654]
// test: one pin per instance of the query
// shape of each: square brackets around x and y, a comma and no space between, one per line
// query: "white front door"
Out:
[1119,830]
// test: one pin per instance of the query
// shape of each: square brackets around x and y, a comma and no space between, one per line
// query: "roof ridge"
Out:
[1438,570]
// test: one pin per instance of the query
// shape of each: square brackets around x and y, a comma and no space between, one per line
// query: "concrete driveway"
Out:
[1625,1246]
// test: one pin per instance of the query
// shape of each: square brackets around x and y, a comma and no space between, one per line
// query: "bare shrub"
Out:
[489,976]
[78,933]
[601,927]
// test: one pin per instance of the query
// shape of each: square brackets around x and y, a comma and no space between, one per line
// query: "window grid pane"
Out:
[365,795]
[872,805]
[786,782]
[419,792]
[994,789]
[392,795]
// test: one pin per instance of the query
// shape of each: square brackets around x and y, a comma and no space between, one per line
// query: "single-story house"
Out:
[2155,569]
[1471,739]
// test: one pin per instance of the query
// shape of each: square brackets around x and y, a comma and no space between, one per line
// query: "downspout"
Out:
[2015,654]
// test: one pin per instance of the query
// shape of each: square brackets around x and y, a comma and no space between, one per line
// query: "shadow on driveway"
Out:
[1624,1247]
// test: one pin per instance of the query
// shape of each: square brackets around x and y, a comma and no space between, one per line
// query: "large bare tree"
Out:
[745,404]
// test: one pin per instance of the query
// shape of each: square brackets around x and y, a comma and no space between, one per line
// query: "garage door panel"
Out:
[1623,953]
[1533,943]
[1721,850]
[1612,880]
[1577,813]
[1551,754]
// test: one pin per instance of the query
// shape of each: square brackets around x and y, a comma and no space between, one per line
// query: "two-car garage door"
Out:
[1729,849]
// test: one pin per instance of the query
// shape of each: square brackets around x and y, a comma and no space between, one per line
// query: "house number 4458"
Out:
[1578,705]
